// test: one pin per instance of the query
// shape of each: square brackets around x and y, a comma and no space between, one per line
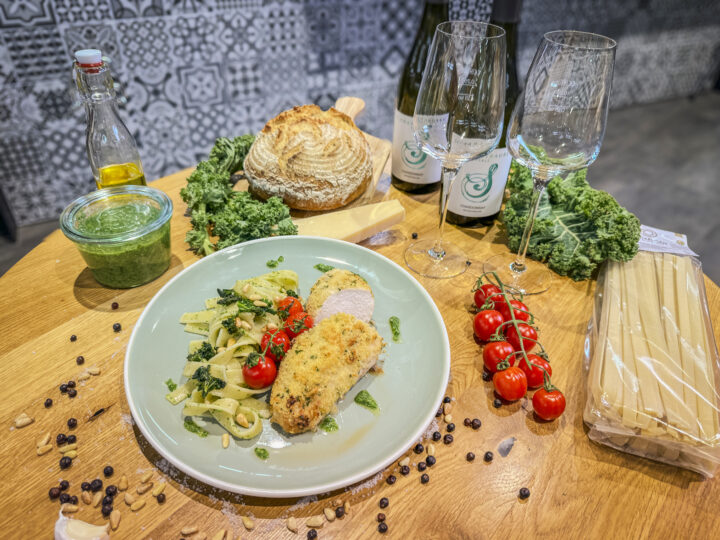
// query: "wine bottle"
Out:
[412,169]
[478,194]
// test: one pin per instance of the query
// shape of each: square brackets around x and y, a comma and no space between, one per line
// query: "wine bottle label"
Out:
[409,163]
[480,185]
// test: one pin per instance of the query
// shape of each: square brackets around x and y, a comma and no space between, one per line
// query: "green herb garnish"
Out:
[206,382]
[171,385]
[395,328]
[324,267]
[272,263]
[329,424]
[292,293]
[192,427]
[205,352]
[364,398]
[261,453]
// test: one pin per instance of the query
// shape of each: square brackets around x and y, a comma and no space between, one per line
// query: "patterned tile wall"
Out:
[191,70]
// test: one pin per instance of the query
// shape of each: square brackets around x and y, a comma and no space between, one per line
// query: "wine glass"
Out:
[458,117]
[557,126]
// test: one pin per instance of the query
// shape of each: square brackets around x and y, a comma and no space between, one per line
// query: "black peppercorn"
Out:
[71,439]
[65,462]
[312,534]
[64,498]
[384,502]
[447,439]
[391,479]
[73,499]
[430,460]
[111,491]
[339,512]
[446,399]
[488,457]
[414,236]
[470,456]
[73,338]
[466,422]
[107,509]
[476,423]
[161,498]
[421,466]
[486,376]
[497,403]
[71,384]
[114,305]
[108,471]
[404,470]
[64,485]
[85,486]
[450,427]
[117,327]
[72,423]
[54,493]
[438,413]
[524,493]
[96,485]
[61,438]
[418,448]
[63,388]
[48,403]
[80,360]
[436,436]
[382,528]
[107,500]
[72,392]
[380,517]
[425,478]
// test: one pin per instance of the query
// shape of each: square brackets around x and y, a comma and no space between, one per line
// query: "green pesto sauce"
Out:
[261,453]
[395,328]
[323,267]
[272,263]
[116,220]
[192,427]
[364,398]
[329,424]
[171,385]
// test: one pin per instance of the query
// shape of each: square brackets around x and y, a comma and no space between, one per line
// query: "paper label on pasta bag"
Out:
[657,240]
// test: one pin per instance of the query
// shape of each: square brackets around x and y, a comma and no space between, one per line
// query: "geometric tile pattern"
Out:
[188,71]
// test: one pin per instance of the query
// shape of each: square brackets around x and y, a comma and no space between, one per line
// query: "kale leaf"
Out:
[206,382]
[205,352]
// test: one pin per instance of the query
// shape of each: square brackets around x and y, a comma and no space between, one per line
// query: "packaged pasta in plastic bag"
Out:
[653,372]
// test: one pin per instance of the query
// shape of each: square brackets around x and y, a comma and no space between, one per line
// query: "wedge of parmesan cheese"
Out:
[353,224]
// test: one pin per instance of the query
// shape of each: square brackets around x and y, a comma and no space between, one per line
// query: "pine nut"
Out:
[86,497]
[246,288]
[137,505]
[246,325]
[23,420]
[187,531]
[142,488]
[404,462]
[42,450]
[315,522]
[447,408]
[259,303]
[68,508]
[84,376]
[93,370]
[238,322]
[42,441]
[65,449]
[114,519]
[146,477]
[346,507]
[72,454]
[337,502]
[232,341]
[272,327]
[240,419]
[123,483]
[248,523]
[225,440]
[431,449]
[329,514]
[448,418]
[158,489]
[129,499]
[220,535]
[97,499]
[292,524]
[254,297]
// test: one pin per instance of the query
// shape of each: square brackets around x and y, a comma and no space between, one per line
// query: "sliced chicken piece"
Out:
[340,291]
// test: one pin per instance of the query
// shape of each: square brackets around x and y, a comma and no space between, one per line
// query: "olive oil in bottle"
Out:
[478,194]
[412,169]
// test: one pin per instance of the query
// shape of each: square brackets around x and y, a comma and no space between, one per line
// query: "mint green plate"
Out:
[408,392]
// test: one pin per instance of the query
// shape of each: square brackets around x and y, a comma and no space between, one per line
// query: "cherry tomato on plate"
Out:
[486,323]
[484,292]
[519,309]
[289,306]
[259,371]
[495,352]
[275,345]
[528,334]
[297,323]
[548,405]
[510,383]
[535,375]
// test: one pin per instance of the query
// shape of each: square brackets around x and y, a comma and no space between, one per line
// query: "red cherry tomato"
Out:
[297,323]
[288,306]
[275,345]
[495,352]
[535,375]
[528,334]
[259,371]
[548,405]
[510,383]
[485,292]
[519,309]
[486,322]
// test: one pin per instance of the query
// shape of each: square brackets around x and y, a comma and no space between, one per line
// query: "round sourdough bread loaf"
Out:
[312,159]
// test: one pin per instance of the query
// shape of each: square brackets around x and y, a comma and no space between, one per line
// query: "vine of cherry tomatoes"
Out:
[508,329]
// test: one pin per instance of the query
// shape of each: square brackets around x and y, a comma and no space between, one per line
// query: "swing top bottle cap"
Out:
[88,57]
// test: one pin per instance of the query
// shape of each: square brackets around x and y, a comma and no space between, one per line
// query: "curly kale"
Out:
[205,352]
[577,227]
[216,210]
[206,382]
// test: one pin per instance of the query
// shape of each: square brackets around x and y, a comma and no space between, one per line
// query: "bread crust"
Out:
[312,159]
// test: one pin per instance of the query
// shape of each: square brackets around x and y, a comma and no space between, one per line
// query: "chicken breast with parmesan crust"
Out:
[340,291]
[323,364]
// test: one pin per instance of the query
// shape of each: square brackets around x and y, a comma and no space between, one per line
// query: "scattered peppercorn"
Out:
[71,384]
[446,399]
[384,502]
[382,528]
[438,413]
[63,388]
[312,534]
[61,438]
[65,462]
[117,327]
[497,403]
[418,448]
[450,427]
[161,498]
[436,436]
[73,499]
[80,360]
[430,460]
[64,485]
[85,486]
[339,512]
[470,456]
[476,423]
[54,493]
[447,439]
[48,403]
[111,491]
[414,236]
[107,500]
[486,376]
[107,509]
[96,485]
[72,423]
[524,493]
[73,338]
[468,263]
[425,478]
[72,439]
[404,470]
[488,457]
[466,422]
[380,517]
[64,498]
[391,479]
[114,305]
[421,466]
[108,471]
[72,392]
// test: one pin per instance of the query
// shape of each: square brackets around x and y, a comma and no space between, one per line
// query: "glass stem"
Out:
[538,187]
[448,179]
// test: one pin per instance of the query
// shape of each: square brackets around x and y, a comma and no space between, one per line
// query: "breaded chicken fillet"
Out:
[340,291]
[323,364]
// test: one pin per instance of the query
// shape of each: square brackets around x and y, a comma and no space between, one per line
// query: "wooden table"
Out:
[579,489]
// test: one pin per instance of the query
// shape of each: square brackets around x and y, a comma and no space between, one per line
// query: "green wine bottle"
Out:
[412,169]
[478,194]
